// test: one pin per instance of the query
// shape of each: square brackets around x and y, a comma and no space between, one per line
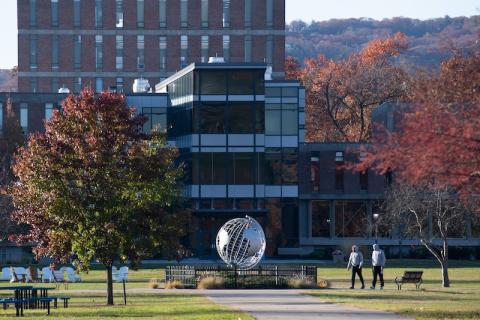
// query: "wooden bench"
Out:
[414,277]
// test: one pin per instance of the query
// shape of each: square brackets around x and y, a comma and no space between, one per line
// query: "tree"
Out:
[292,69]
[94,187]
[438,138]
[429,214]
[11,138]
[341,95]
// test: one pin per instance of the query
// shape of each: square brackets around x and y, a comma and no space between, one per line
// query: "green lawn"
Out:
[460,301]
[171,305]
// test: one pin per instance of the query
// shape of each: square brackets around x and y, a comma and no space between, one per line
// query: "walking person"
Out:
[356,263]
[378,263]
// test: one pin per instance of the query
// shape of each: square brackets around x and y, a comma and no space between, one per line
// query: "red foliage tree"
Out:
[341,95]
[438,139]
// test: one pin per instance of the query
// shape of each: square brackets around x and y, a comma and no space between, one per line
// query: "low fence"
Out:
[263,276]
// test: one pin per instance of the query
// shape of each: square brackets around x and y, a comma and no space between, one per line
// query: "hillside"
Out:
[430,41]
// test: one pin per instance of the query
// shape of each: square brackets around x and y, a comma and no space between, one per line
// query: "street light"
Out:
[376,217]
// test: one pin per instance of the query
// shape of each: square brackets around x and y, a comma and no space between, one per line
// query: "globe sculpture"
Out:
[241,243]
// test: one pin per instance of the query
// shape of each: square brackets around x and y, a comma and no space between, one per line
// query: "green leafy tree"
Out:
[94,187]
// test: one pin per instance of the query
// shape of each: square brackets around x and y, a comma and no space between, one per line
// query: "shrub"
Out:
[211,283]
[323,284]
[153,284]
[302,283]
[175,284]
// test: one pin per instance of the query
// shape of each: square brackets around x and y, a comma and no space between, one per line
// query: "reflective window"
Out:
[98,13]
[54,52]
[269,48]
[183,51]
[33,51]
[183,13]
[33,12]
[259,118]
[226,47]
[209,118]
[162,4]
[243,168]
[248,48]
[141,52]
[220,164]
[273,122]
[77,84]
[351,219]
[33,85]
[119,52]
[119,84]
[77,52]
[76,13]
[240,82]
[289,122]
[140,13]
[240,118]
[163,53]
[273,167]
[248,13]
[269,17]
[54,13]
[204,10]
[315,172]
[213,82]
[289,166]
[204,45]
[24,117]
[48,110]
[99,52]
[98,85]
[156,119]
[119,13]
[55,86]
[339,171]
[226,13]
[320,215]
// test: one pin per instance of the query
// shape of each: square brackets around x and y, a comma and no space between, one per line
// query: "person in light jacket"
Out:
[378,263]
[356,263]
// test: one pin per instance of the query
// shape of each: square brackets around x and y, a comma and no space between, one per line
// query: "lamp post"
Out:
[375,219]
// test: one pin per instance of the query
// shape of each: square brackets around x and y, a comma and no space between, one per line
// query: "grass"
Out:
[91,305]
[460,301]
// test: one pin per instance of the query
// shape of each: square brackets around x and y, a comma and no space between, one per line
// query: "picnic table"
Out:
[28,297]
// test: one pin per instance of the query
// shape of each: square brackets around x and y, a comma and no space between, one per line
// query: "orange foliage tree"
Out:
[341,95]
[438,140]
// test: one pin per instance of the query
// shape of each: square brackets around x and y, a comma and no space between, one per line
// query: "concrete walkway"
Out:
[290,304]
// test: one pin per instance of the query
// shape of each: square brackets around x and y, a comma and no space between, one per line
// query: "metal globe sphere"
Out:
[241,243]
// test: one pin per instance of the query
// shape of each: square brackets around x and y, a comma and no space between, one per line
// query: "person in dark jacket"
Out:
[356,263]
[378,263]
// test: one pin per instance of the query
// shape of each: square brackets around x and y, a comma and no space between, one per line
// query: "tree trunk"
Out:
[109,285]
[445,278]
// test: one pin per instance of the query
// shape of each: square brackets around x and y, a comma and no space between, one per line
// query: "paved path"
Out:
[290,304]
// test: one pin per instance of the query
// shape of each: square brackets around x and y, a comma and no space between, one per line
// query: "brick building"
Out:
[109,43]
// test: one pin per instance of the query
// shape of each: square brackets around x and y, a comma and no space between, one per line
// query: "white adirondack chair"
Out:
[47,275]
[72,276]
[6,274]
[122,274]
[22,274]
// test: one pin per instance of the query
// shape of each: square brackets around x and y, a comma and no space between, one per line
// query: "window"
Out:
[269,17]
[204,9]
[273,167]
[119,84]
[240,118]
[140,13]
[99,52]
[269,53]
[183,51]
[248,13]
[213,83]
[220,164]
[289,166]
[339,171]
[209,118]
[248,48]
[320,215]
[55,86]
[54,52]
[289,121]
[119,52]
[243,168]
[315,172]
[204,49]
[77,84]
[273,121]
[240,83]
[98,85]
[211,168]
[351,219]
[76,13]
[119,13]
[162,4]
[33,13]
[48,111]
[163,53]
[156,119]
[98,13]
[141,52]
[281,119]
[33,51]
[226,13]
[77,52]
[183,13]
[260,118]
[226,47]
[54,14]
[24,117]
[33,85]
[364,180]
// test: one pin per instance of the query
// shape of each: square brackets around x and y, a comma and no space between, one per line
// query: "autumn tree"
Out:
[341,95]
[430,214]
[438,138]
[292,69]
[94,187]
[11,138]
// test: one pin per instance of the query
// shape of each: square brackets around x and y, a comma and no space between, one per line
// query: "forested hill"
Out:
[430,40]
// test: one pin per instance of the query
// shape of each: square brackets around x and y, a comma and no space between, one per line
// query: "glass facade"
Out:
[54,13]
[140,13]
[98,13]
[226,13]
[119,13]
[24,117]
[320,218]
[32,13]
[204,9]
[184,13]
[156,119]
[162,14]
[351,219]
